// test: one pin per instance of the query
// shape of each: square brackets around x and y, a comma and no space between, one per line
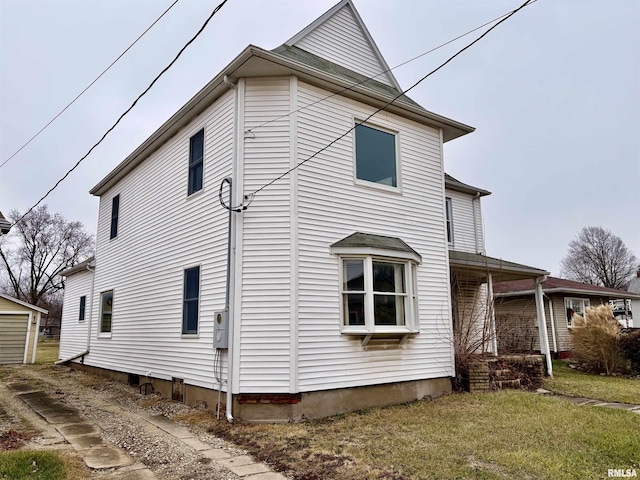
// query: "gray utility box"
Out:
[221,329]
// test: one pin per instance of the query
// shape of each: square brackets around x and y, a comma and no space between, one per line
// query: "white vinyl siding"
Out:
[341,40]
[265,333]
[73,334]
[467,233]
[330,208]
[145,267]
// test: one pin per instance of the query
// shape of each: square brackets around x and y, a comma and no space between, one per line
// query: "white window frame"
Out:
[106,333]
[449,219]
[410,263]
[376,185]
[586,303]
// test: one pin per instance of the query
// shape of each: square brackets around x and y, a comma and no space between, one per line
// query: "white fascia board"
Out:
[571,291]
[33,307]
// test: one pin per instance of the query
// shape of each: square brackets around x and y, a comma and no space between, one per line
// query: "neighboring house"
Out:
[5,225]
[634,287]
[19,323]
[339,272]
[565,305]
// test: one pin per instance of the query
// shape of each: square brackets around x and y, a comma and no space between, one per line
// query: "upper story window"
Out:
[576,309]
[378,284]
[106,311]
[449,210]
[376,156]
[83,303]
[196,159]
[190,300]
[115,212]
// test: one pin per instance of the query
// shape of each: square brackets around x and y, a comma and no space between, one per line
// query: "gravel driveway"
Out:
[118,410]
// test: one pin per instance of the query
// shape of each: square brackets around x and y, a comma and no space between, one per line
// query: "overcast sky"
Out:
[554,94]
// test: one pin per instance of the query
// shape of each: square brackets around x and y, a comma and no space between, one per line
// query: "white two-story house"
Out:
[327,286]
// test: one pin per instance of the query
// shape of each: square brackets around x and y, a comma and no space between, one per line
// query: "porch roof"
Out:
[501,270]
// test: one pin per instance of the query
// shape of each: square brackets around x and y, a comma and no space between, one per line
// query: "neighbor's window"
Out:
[83,303]
[115,212]
[196,156]
[106,310]
[449,210]
[576,309]
[378,294]
[191,298]
[376,156]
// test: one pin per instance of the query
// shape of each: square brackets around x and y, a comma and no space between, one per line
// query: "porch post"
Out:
[492,315]
[542,324]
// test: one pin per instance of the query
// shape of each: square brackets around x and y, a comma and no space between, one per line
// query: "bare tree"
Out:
[36,250]
[598,257]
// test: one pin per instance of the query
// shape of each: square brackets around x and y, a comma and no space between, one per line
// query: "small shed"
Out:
[19,325]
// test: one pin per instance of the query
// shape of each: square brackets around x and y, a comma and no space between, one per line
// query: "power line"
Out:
[251,195]
[350,87]
[89,86]
[215,10]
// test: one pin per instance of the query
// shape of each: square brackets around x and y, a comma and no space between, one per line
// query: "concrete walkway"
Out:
[591,401]
[86,439]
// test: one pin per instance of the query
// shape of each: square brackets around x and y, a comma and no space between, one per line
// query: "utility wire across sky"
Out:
[88,86]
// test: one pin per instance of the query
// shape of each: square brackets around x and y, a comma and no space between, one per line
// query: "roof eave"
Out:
[571,291]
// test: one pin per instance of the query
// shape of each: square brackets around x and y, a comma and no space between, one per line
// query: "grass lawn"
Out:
[40,465]
[508,434]
[579,384]
[47,351]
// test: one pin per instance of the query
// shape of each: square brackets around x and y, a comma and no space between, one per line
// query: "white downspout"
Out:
[26,341]
[542,324]
[35,338]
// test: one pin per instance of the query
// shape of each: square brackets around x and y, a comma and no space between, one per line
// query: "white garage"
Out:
[19,325]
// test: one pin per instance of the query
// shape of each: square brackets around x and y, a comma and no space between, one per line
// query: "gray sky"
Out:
[554,93]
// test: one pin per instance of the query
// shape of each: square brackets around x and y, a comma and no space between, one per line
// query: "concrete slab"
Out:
[29,395]
[144,474]
[84,442]
[267,476]
[169,426]
[57,419]
[237,461]
[196,444]
[215,454]
[77,429]
[250,469]
[106,457]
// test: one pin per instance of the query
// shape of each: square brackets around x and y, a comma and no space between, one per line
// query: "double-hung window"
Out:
[376,160]
[576,309]
[83,303]
[115,213]
[449,213]
[190,302]
[196,162]
[106,311]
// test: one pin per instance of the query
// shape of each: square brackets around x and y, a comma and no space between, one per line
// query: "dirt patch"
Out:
[12,440]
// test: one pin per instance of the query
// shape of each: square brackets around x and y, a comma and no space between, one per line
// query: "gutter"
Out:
[572,291]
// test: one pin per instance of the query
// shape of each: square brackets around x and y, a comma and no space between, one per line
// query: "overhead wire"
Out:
[204,25]
[88,86]
[373,77]
[252,195]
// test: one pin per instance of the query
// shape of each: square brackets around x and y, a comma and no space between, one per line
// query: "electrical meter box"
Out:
[221,329]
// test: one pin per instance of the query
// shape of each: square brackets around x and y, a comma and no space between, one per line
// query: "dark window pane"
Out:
[115,212]
[190,319]
[353,275]
[376,156]
[354,309]
[388,277]
[191,298]
[196,147]
[191,283]
[388,310]
[196,154]
[83,302]
[106,309]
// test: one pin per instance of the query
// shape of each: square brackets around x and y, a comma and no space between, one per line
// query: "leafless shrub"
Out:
[596,344]
[516,333]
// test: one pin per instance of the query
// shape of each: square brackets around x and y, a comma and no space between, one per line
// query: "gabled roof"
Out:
[362,55]
[24,304]
[457,186]
[558,285]
[374,243]
[81,267]
[499,268]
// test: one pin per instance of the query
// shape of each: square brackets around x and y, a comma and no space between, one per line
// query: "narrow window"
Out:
[353,292]
[190,303]
[196,155]
[449,210]
[115,211]
[389,293]
[376,156]
[83,302]
[106,310]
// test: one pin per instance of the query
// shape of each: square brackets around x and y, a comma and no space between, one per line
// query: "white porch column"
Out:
[542,325]
[492,315]
[35,340]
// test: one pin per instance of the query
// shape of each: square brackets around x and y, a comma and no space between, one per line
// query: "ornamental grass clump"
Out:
[596,345]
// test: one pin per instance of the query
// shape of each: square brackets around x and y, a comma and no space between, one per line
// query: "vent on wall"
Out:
[177,389]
